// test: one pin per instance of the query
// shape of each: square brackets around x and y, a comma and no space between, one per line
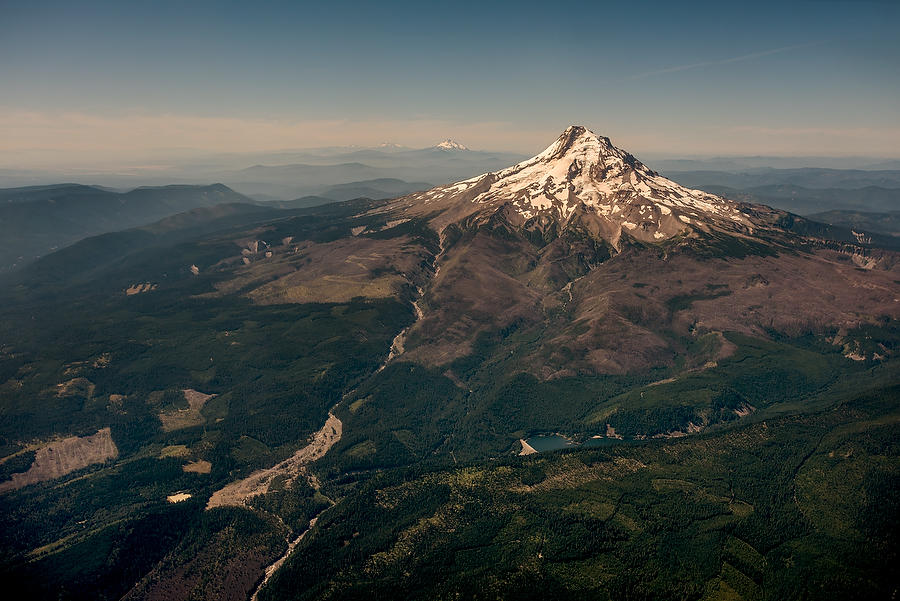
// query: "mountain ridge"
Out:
[450,144]
[37,220]
[584,172]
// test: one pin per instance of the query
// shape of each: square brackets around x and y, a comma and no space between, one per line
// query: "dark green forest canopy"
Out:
[790,507]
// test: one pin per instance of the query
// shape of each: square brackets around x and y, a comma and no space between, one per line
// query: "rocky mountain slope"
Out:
[621,261]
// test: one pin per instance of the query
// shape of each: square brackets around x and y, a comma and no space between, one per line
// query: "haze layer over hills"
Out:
[289,175]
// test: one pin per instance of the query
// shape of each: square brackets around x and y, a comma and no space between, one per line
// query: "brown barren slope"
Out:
[64,457]
[257,483]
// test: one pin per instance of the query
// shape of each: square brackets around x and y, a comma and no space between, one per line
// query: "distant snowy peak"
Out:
[449,144]
[582,169]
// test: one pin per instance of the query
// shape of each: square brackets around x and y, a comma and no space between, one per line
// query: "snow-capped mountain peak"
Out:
[582,169]
[449,144]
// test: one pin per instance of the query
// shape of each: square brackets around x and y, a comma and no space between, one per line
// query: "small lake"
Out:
[549,442]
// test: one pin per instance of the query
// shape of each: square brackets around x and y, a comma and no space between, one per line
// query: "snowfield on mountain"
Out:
[584,170]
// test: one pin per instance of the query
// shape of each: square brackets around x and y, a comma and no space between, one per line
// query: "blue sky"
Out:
[94,80]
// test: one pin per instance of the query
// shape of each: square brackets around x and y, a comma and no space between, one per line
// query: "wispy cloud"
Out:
[724,61]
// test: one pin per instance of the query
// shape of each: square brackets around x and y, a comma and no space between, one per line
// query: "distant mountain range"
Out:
[808,201]
[292,174]
[40,219]
[747,163]
[806,177]
[36,220]
[866,221]
[375,189]
[316,175]
[842,183]
[806,191]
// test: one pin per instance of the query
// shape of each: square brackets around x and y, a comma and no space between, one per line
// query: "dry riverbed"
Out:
[240,492]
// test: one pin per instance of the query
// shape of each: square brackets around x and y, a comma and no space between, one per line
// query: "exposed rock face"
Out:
[63,457]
